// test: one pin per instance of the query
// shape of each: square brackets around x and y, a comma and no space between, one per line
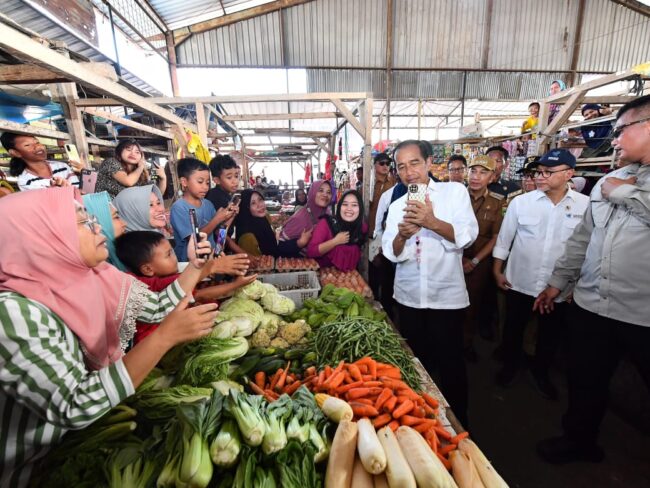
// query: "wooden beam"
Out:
[637,7]
[28,73]
[29,50]
[66,95]
[232,127]
[287,116]
[355,111]
[129,123]
[347,113]
[28,130]
[171,61]
[321,144]
[202,122]
[590,85]
[390,9]
[575,52]
[559,119]
[236,17]
[487,33]
[288,133]
[101,142]
[366,117]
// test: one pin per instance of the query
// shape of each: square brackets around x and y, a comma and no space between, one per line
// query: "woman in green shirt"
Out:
[65,319]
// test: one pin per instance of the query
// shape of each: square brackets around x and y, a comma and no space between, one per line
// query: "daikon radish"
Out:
[488,474]
[427,468]
[381,481]
[464,471]
[371,452]
[342,453]
[334,408]
[398,472]
[360,477]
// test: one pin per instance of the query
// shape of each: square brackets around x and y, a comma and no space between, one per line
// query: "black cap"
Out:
[557,157]
[530,164]
[503,150]
[382,156]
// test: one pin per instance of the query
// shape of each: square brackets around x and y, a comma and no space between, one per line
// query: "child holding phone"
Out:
[195,183]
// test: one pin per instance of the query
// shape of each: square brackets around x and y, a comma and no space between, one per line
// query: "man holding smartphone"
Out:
[426,232]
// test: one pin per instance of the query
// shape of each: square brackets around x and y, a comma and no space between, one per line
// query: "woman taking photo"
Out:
[255,234]
[65,318]
[129,168]
[305,219]
[337,241]
[142,208]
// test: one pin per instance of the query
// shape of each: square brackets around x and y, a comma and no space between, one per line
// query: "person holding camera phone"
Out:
[426,232]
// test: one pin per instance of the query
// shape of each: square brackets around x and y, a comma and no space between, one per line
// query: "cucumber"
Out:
[271,366]
[294,354]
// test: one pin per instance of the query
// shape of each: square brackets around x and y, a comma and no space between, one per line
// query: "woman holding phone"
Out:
[65,319]
[128,169]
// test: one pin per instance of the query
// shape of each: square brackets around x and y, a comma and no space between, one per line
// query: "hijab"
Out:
[355,228]
[41,261]
[306,217]
[99,205]
[133,205]
[296,202]
[260,227]
[559,82]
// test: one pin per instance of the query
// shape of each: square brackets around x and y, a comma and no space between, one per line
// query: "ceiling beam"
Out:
[28,73]
[31,51]
[575,52]
[638,7]
[225,20]
[487,33]
[287,116]
[127,122]
[350,117]
[294,133]
[29,130]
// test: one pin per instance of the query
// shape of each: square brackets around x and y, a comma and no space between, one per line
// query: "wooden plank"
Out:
[287,116]
[28,73]
[23,47]
[129,123]
[28,130]
[347,113]
[590,85]
[171,57]
[575,52]
[290,133]
[355,111]
[487,33]
[366,117]
[66,94]
[557,122]
[201,122]
[101,142]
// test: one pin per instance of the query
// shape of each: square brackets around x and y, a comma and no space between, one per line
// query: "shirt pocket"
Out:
[528,225]
[568,226]
[601,212]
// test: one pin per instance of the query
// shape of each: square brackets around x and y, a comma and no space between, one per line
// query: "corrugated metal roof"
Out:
[350,80]
[252,42]
[29,18]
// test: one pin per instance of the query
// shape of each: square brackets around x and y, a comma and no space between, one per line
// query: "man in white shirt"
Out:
[532,237]
[426,240]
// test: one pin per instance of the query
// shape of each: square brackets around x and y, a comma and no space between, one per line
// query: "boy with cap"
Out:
[477,259]
[532,237]
[598,137]
[506,188]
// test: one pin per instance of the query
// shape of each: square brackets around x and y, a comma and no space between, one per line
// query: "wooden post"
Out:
[66,94]
[202,122]
[171,56]
[171,146]
[419,117]
[366,118]
[247,173]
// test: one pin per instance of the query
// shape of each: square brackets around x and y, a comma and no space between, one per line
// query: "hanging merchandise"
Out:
[340,148]
[308,173]
[194,146]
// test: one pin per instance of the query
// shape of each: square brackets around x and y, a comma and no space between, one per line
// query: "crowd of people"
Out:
[92,293]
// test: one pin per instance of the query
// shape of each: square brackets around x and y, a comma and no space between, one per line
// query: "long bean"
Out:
[352,339]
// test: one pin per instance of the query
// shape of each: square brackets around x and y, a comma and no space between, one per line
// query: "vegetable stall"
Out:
[325,393]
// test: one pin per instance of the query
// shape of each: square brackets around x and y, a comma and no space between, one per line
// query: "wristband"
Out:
[475,261]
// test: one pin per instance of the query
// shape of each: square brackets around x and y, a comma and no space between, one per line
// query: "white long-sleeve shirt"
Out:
[533,236]
[382,207]
[437,280]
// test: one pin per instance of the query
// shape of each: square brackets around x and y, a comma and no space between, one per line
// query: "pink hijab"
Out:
[307,217]
[41,260]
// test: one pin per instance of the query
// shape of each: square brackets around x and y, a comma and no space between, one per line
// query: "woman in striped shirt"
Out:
[65,318]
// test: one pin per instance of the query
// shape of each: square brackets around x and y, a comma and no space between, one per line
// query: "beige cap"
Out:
[485,161]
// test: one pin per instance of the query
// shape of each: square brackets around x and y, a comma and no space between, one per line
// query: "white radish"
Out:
[464,471]
[371,452]
[360,477]
[486,471]
[398,472]
[342,454]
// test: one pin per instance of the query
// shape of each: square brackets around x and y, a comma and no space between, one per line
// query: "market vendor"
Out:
[337,240]
[597,136]
[318,201]
[506,188]
[255,234]
[142,208]
[65,319]
[426,240]
[127,169]
[99,205]
[30,165]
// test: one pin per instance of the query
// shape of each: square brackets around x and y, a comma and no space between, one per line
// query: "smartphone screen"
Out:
[220,242]
[236,198]
[71,152]
[195,230]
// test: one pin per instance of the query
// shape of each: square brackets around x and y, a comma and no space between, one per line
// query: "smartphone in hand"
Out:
[417,192]
[236,199]
[220,241]
[196,230]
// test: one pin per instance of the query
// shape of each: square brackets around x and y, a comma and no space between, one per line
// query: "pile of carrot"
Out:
[374,390]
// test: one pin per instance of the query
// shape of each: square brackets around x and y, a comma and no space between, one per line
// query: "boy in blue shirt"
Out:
[194,178]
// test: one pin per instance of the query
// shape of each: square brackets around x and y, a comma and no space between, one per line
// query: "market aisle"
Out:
[507,424]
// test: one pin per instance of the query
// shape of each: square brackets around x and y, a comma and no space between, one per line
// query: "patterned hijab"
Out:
[99,205]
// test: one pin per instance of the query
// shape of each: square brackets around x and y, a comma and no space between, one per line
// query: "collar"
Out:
[569,194]
[432,184]
[485,194]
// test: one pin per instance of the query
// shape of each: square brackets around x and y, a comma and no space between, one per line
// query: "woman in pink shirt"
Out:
[337,240]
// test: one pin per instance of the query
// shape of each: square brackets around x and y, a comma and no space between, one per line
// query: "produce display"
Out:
[325,395]
[351,280]
[296,264]
[261,264]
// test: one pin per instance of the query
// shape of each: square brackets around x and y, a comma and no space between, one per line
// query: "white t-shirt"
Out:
[30,181]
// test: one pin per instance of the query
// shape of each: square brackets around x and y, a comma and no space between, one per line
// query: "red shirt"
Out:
[155,284]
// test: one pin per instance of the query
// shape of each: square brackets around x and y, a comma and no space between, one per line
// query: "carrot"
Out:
[336,380]
[411,395]
[279,385]
[260,379]
[410,420]
[429,411]
[433,442]
[456,439]
[373,384]
[447,449]
[290,389]
[383,396]
[363,410]
[259,391]
[321,379]
[363,392]
[389,406]
[381,420]
[373,369]
[309,378]
[444,461]
[311,370]
[364,360]
[328,371]
[348,379]
[389,372]
[432,402]
[271,394]
[354,371]
[291,378]
[443,433]
[418,412]
[348,387]
[403,409]
[425,426]
[363,368]
[276,378]
[394,425]
[366,401]
[393,383]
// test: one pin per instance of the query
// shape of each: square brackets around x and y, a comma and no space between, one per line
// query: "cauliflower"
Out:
[294,331]
[279,342]
[303,342]
[270,323]
[260,338]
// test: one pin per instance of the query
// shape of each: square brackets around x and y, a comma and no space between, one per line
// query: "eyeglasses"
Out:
[383,163]
[618,131]
[91,222]
[544,173]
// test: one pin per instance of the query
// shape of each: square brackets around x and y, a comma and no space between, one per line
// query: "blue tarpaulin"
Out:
[26,109]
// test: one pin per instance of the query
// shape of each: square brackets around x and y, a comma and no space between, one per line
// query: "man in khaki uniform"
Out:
[477,259]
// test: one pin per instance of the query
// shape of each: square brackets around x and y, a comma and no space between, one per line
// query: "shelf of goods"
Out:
[321,394]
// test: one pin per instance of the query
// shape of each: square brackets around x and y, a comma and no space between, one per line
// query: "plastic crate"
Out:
[306,280]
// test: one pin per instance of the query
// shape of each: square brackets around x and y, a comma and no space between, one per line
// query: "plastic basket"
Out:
[306,280]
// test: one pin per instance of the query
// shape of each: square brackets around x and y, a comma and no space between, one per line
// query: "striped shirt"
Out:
[29,181]
[45,388]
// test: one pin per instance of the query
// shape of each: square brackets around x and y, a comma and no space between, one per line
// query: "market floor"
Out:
[507,423]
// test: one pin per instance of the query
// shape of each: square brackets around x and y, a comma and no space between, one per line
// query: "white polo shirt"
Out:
[533,236]
[30,181]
